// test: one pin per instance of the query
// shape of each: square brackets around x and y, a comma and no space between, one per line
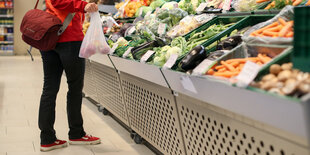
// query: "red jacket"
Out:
[61,8]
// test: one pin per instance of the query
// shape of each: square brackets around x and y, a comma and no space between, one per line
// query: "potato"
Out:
[304,88]
[275,69]
[284,75]
[287,66]
[290,86]
[268,77]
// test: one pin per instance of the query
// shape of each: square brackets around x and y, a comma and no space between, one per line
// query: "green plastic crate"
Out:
[216,20]
[245,22]
[301,54]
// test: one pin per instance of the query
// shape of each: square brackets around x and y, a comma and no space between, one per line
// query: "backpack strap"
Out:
[35,7]
[66,23]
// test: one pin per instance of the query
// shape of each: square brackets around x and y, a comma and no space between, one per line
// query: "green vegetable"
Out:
[163,14]
[201,37]
[122,49]
[169,5]
[173,50]
[121,41]
[187,6]
[181,43]
[157,3]
[176,15]
[145,9]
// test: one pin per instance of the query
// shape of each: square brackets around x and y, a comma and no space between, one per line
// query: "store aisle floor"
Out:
[20,89]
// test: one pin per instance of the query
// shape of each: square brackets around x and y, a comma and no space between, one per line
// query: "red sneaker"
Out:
[56,145]
[86,140]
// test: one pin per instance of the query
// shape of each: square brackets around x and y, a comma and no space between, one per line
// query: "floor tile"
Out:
[12,147]
[21,84]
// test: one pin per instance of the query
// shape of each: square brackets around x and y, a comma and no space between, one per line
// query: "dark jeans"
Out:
[64,57]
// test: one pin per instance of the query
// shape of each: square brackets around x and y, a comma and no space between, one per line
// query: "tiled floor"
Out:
[20,90]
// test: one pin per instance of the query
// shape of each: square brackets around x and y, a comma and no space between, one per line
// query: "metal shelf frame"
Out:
[258,123]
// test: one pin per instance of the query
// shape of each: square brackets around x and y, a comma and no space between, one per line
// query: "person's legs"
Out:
[53,69]
[74,68]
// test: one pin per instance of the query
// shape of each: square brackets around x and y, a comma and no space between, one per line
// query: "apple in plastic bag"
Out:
[104,50]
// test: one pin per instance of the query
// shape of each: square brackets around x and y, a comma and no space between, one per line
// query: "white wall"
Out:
[20,8]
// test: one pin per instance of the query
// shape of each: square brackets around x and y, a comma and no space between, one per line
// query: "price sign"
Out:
[140,12]
[146,56]
[248,73]
[132,29]
[201,7]
[188,84]
[148,13]
[125,55]
[162,29]
[113,48]
[171,61]
[176,5]
[203,67]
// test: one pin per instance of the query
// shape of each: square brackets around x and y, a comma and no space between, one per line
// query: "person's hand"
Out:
[91,7]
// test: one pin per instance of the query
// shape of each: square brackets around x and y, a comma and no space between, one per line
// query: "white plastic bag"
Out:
[94,40]
[287,14]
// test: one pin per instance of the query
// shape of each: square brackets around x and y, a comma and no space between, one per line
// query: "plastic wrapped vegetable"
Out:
[188,24]
[187,6]
[157,3]
[245,5]
[145,9]
[169,5]
[176,15]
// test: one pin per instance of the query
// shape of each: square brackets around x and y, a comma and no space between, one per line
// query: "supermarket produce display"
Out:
[205,77]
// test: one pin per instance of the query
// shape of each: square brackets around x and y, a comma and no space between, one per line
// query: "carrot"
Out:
[297,2]
[261,1]
[268,33]
[253,34]
[268,7]
[210,72]
[222,70]
[282,21]
[290,34]
[266,27]
[235,64]
[263,59]
[285,29]
[219,67]
[228,66]
[273,3]
[308,3]
[242,60]
[275,29]
[226,74]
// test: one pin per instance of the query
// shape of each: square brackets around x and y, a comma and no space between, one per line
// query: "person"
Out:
[65,57]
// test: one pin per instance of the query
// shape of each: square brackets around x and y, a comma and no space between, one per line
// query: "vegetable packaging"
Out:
[188,24]
[94,40]
[287,14]
[157,3]
[245,5]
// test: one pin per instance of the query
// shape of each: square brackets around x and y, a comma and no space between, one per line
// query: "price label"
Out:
[171,61]
[176,5]
[140,12]
[131,30]
[148,13]
[248,73]
[146,56]
[162,29]
[188,84]
[125,55]
[204,18]
[226,5]
[203,67]
[113,48]
[201,7]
